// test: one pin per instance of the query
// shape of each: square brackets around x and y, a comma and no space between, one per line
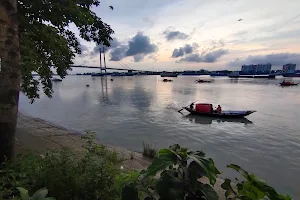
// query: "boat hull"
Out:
[253,76]
[291,75]
[226,114]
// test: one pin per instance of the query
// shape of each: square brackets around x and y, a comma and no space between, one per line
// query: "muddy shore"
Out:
[38,135]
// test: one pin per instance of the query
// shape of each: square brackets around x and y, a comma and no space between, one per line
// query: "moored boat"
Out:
[205,109]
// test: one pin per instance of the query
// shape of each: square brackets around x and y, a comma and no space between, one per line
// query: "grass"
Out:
[149,151]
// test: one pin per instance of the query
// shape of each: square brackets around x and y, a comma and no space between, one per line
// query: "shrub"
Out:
[180,171]
[65,174]
[148,151]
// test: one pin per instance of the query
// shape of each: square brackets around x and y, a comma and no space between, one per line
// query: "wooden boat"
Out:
[204,109]
[286,83]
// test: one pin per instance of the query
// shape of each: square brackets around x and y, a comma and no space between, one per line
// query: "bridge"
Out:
[111,68]
[101,68]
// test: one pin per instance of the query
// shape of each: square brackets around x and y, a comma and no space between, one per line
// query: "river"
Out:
[131,110]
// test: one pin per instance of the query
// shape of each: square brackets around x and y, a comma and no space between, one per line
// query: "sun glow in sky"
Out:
[198,34]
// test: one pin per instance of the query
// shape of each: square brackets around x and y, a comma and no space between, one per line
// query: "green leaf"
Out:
[129,193]
[165,159]
[209,192]
[207,166]
[125,179]
[244,173]
[227,185]
[228,193]
[169,186]
[174,147]
[40,194]
[23,193]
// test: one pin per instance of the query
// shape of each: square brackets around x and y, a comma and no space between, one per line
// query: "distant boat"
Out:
[56,79]
[169,74]
[287,83]
[203,81]
[237,75]
[167,80]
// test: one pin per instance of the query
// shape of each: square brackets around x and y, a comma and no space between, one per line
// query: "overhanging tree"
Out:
[45,42]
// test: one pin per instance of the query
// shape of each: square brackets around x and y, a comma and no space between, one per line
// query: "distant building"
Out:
[289,68]
[261,68]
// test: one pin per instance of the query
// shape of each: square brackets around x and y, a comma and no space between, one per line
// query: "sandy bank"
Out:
[39,135]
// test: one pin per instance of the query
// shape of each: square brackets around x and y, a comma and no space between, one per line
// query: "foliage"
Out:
[47,40]
[250,189]
[180,171]
[149,151]
[65,174]
[38,195]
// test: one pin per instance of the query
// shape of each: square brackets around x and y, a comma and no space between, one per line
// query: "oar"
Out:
[186,106]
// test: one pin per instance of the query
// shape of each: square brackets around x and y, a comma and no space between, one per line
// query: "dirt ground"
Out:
[38,135]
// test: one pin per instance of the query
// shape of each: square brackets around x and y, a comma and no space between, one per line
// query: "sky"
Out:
[197,34]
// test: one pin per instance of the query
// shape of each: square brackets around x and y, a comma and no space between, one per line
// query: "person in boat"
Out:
[192,106]
[219,109]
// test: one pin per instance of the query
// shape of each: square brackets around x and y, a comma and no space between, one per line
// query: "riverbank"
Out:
[37,135]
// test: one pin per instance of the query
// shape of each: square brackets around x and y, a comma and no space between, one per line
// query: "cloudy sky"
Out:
[198,34]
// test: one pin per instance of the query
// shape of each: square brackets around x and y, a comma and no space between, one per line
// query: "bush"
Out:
[148,151]
[180,171]
[64,174]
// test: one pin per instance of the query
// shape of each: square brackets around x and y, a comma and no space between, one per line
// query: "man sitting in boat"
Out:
[219,109]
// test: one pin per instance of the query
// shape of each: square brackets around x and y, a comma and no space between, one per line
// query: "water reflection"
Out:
[210,120]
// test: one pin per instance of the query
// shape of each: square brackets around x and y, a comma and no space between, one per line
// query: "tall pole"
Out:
[104,60]
[100,61]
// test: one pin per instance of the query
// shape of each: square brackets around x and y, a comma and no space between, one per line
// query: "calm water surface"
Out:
[130,110]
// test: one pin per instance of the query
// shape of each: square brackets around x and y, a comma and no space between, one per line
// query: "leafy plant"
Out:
[38,195]
[180,171]
[149,151]
[251,188]
[65,174]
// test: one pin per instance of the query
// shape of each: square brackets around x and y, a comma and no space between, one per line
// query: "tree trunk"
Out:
[9,77]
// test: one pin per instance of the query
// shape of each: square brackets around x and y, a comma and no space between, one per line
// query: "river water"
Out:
[131,110]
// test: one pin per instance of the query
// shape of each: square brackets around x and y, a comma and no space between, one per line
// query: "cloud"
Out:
[114,43]
[140,44]
[173,35]
[210,57]
[138,57]
[276,59]
[118,53]
[83,48]
[187,49]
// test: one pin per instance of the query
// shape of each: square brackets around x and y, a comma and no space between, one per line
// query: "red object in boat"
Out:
[204,107]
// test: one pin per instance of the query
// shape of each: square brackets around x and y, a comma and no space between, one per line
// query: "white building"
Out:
[257,68]
[289,68]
